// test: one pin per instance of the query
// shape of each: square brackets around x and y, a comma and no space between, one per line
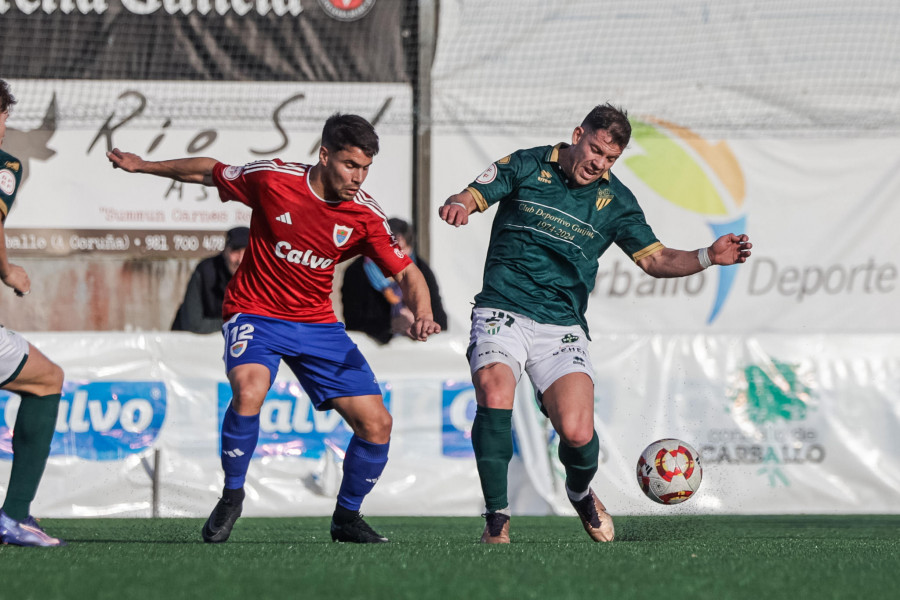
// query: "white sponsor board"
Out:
[825,254]
[784,425]
[70,184]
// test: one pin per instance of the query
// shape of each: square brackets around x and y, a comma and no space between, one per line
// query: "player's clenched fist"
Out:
[457,208]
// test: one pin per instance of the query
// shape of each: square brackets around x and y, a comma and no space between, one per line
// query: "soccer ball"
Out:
[669,471]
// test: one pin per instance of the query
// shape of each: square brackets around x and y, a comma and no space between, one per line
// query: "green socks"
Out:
[492,441]
[32,433]
[581,463]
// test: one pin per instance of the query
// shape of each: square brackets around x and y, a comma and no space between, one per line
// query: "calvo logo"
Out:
[97,421]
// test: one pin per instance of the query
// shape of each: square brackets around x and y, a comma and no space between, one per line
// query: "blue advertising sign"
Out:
[290,426]
[457,414]
[102,420]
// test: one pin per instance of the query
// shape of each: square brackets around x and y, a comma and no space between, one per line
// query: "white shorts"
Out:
[545,352]
[13,352]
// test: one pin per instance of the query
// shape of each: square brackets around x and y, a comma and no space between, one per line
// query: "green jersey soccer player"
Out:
[559,209]
[24,370]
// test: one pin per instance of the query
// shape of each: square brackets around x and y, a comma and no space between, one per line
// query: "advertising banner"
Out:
[783,424]
[213,40]
[823,260]
[71,200]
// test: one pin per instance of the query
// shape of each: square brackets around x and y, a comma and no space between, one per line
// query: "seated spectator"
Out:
[373,303]
[201,310]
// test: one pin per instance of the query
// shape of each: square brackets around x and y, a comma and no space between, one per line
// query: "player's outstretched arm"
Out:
[188,170]
[457,208]
[729,249]
[418,299]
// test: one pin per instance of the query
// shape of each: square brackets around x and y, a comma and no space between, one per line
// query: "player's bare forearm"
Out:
[418,299]
[188,170]
[729,249]
[457,208]
[12,275]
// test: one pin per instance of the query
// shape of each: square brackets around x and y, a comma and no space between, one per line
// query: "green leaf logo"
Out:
[687,170]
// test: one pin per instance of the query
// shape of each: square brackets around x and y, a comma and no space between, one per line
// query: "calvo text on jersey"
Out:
[307,258]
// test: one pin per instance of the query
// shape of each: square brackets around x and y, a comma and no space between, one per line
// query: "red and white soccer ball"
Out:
[669,471]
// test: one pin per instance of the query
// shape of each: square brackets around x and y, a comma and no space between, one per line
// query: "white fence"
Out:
[785,424]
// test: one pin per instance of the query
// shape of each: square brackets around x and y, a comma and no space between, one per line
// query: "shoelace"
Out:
[361,524]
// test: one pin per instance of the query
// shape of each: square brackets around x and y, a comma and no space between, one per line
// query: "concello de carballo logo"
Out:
[97,421]
[770,402]
[697,175]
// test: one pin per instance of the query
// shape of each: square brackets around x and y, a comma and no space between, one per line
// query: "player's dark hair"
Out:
[6,97]
[401,228]
[609,118]
[347,131]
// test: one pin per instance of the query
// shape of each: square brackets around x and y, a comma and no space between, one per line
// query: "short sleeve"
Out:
[634,236]
[236,182]
[382,248]
[10,178]
[498,181]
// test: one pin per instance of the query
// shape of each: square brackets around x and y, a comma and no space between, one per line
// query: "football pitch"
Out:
[550,557]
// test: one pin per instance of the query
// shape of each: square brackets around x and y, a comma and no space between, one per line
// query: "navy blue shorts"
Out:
[322,356]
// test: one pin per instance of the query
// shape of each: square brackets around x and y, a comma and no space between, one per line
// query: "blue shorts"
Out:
[322,356]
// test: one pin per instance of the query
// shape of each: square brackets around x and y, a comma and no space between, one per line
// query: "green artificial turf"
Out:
[550,557]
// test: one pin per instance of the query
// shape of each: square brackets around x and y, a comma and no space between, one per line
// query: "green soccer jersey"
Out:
[548,235]
[10,177]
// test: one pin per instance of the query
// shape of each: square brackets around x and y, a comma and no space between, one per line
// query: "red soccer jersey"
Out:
[296,239]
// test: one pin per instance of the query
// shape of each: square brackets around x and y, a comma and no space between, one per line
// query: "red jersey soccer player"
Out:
[305,220]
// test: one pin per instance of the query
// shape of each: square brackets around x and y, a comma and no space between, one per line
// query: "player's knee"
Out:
[495,397]
[50,381]
[246,401]
[377,429]
[55,379]
[576,436]
[383,426]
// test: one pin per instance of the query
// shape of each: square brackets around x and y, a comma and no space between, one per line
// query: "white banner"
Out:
[69,184]
[825,255]
[784,425]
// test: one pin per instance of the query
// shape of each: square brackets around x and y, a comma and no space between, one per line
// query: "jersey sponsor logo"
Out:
[569,338]
[346,10]
[545,176]
[489,174]
[13,165]
[7,182]
[285,218]
[232,172]
[300,257]
[341,235]
[604,197]
[399,252]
